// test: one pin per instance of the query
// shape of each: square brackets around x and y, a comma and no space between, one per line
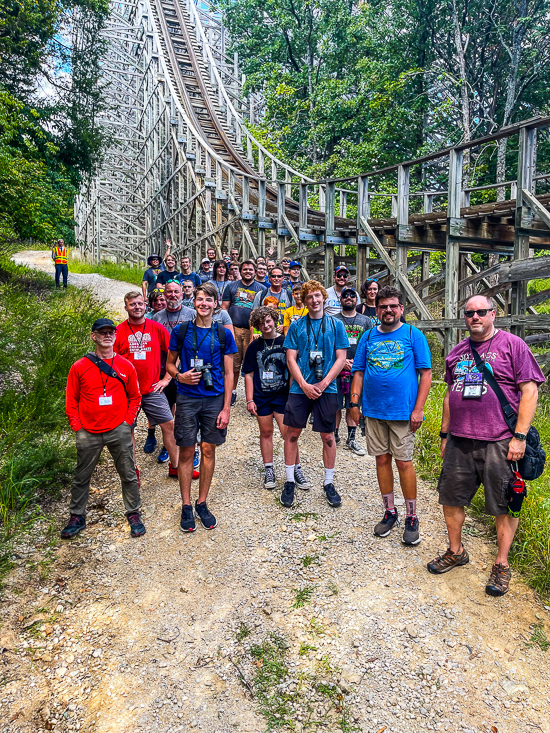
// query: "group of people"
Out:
[306,354]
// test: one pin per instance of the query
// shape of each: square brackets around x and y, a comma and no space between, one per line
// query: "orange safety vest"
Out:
[60,254]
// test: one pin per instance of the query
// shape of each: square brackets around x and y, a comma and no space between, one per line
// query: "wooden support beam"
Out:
[302,220]
[363,211]
[281,239]
[532,323]
[425,274]
[537,207]
[538,298]
[402,215]
[330,213]
[537,338]
[488,293]
[452,247]
[262,200]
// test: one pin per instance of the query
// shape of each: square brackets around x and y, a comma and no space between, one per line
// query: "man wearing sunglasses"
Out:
[386,368]
[341,277]
[476,443]
[276,290]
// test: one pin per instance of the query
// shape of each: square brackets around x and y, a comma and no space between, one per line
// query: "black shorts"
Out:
[266,405]
[198,413]
[343,399]
[469,463]
[299,407]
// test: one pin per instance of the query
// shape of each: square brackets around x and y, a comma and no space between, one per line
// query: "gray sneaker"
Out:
[269,478]
[411,534]
[354,447]
[387,523]
[299,479]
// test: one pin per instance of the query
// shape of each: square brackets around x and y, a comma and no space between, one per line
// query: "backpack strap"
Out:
[106,369]
[222,337]
[182,333]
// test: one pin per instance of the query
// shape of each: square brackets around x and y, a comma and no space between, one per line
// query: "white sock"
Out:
[289,473]
[234,391]
[268,465]
[329,476]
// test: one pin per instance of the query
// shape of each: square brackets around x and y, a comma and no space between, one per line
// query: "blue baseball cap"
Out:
[294,264]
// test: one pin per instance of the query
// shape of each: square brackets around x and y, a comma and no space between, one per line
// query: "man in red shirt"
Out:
[143,341]
[102,402]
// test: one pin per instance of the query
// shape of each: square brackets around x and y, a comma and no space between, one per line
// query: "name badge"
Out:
[352,340]
[315,354]
[140,355]
[267,376]
[106,400]
[197,362]
[473,386]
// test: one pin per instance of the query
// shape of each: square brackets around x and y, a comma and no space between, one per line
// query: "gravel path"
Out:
[158,634]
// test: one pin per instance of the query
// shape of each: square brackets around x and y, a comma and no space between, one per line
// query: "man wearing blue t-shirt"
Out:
[316,353]
[204,383]
[387,363]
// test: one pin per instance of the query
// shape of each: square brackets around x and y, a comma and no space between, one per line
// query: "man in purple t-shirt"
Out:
[476,444]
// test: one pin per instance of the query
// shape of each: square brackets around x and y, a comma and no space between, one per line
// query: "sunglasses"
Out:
[342,274]
[285,260]
[276,277]
[172,280]
[349,295]
[389,307]
[481,312]
[158,291]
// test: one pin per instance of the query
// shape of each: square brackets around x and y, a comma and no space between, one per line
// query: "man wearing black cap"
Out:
[102,403]
[341,277]
[156,266]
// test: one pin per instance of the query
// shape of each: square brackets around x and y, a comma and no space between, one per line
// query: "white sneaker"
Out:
[354,447]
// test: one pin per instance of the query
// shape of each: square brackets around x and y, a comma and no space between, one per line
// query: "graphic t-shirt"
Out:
[355,328]
[511,361]
[150,276]
[241,301]
[284,300]
[205,353]
[171,319]
[334,337]
[332,303]
[293,314]
[267,361]
[370,311]
[143,346]
[390,362]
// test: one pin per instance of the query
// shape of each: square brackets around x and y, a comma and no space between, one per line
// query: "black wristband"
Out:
[443,435]
[354,404]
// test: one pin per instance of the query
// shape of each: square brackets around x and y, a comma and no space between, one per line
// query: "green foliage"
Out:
[42,332]
[113,270]
[302,596]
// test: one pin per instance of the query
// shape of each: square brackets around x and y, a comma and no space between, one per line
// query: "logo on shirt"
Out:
[387,355]
[244,298]
[139,342]
[466,365]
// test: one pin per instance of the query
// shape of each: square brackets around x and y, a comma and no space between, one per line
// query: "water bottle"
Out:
[517,491]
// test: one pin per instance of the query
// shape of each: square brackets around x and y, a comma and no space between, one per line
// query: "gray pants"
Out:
[88,450]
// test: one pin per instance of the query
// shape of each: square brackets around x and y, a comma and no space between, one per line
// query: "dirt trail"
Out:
[157,633]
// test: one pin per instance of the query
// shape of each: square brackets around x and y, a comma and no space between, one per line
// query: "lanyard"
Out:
[309,326]
[486,350]
[173,323]
[104,383]
[196,345]
[266,347]
[142,333]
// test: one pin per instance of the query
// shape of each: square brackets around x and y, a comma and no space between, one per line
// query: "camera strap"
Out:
[196,345]
[182,333]
[310,328]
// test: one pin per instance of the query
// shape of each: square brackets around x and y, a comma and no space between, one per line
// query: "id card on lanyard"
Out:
[473,386]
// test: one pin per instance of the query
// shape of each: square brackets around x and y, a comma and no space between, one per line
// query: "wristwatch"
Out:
[443,435]
[520,436]
[354,404]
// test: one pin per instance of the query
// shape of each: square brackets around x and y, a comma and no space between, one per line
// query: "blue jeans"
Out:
[61,270]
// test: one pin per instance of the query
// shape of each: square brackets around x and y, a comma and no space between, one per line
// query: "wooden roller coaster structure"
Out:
[182,163]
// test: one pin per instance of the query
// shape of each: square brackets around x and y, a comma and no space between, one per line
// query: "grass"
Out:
[308,560]
[243,632]
[539,638]
[530,553]
[42,332]
[302,596]
[113,270]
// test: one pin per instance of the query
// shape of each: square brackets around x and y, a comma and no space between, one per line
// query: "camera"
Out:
[206,376]
[316,360]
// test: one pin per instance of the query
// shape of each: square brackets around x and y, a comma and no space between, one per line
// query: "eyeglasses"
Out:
[481,312]
[389,307]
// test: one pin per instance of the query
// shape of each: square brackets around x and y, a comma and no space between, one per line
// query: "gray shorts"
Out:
[469,463]
[156,408]
[198,413]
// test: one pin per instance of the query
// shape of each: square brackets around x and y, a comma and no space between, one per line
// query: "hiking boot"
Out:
[387,523]
[354,447]
[299,479]
[187,523]
[269,478]
[75,524]
[208,520]
[333,497]
[172,472]
[411,534]
[233,398]
[150,444]
[137,527]
[499,580]
[287,495]
[163,456]
[448,561]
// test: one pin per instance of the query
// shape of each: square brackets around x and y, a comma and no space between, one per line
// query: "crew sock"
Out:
[151,433]
[329,476]
[351,433]
[289,473]
[268,465]
[411,507]
[389,501]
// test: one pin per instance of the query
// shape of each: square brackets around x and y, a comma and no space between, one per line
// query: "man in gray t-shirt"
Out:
[174,313]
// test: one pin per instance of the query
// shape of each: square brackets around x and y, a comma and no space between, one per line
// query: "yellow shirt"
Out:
[294,314]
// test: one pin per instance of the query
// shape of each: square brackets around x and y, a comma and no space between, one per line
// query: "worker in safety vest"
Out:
[59,256]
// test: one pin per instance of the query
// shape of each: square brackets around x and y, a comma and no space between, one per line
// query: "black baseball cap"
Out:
[103,323]
[348,290]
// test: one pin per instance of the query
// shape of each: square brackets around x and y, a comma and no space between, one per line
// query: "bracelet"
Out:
[249,401]
[443,435]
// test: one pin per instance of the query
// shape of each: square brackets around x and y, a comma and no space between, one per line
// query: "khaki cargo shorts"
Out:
[390,436]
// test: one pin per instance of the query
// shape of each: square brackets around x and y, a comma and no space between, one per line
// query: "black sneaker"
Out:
[187,523]
[337,438]
[233,398]
[411,534]
[75,525]
[287,495]
[299,479]
[269,478]
[333,497]
[388,522]
[208,520]
[137,527]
